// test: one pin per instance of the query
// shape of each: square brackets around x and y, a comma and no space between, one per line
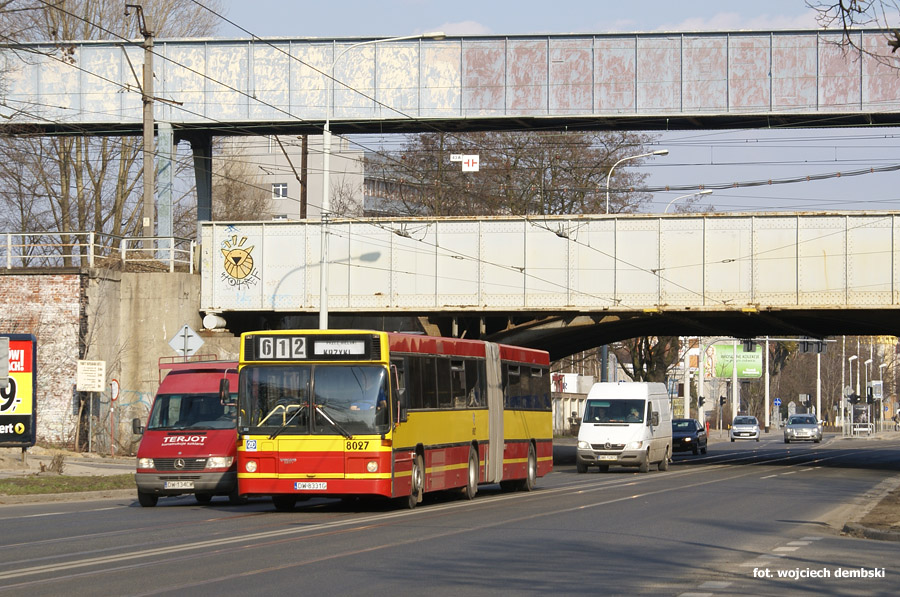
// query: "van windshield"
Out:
[191,411]
[614,411]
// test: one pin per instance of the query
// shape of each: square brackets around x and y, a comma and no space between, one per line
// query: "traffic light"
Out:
[721,400]
[853,398]
[700,401]
[870,398]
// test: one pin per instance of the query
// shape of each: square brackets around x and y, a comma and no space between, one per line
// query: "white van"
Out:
[625,424]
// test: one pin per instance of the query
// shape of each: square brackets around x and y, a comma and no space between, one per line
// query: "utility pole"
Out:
[149,204]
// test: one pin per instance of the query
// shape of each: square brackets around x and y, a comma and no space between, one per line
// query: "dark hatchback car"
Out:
[688,434]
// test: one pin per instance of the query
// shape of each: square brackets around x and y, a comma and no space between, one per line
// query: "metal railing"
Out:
[93,249]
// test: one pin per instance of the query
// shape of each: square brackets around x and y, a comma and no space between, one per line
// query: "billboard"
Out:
[18,410]
[720,360]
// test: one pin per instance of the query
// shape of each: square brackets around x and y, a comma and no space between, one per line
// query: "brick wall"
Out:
[50,307]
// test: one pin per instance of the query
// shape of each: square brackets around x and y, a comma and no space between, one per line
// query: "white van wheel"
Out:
[664,463]
[645,465]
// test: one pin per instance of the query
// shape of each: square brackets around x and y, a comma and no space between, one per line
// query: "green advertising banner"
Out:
[749,364]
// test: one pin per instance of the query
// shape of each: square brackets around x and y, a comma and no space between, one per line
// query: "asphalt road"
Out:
[729,522]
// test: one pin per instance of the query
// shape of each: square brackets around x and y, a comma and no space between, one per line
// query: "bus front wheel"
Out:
[417,482]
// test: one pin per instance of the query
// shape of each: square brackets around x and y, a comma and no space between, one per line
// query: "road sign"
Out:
[186,342]
[114,389]
[777,402]
[90,376]
[470,162]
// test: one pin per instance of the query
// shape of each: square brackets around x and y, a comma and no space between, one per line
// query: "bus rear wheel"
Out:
[471,487]
[530,480]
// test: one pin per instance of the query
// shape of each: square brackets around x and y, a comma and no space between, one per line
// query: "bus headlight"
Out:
[145,463]
[372,466]
[219,461]
[250,466]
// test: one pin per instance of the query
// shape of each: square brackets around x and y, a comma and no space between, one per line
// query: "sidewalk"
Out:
[38,460]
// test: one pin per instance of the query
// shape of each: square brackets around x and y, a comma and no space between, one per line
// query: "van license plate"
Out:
[607,457]
[311,485]
[179,485]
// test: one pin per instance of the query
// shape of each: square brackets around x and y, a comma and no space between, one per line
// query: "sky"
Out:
[695,157]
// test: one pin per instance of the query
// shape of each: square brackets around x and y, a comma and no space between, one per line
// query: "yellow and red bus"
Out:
[343,413]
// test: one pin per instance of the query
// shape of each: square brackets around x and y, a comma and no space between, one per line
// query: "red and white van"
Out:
[190,441]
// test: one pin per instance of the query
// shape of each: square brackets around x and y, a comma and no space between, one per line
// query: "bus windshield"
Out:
[190,411]
[346,399]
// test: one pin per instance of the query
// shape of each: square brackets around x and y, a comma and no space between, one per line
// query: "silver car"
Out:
[802,427]
[744,427]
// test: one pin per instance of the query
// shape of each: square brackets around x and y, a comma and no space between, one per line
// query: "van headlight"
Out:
[145,463]
[583,445]
[219,461]
[634,445]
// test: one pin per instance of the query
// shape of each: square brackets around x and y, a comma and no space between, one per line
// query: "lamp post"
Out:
[704,192]
[326,166]
[850,372]
[881,400]
[631,157]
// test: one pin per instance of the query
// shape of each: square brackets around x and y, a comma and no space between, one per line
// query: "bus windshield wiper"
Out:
[284,425]
[333,423]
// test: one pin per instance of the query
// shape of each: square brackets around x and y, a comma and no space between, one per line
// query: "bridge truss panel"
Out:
[277,84]
[556,264]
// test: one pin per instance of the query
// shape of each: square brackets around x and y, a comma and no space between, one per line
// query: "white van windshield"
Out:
[614,411]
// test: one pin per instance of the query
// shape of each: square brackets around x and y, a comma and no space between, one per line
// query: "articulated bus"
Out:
[353,413]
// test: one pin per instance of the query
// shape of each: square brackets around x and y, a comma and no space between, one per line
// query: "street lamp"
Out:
[850,372]
[326,166]
[704,192]
[632,157]
[867,362]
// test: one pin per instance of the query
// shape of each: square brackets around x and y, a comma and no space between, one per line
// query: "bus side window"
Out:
[458,383]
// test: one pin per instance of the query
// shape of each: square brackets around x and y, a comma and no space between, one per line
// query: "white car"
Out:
[744,427]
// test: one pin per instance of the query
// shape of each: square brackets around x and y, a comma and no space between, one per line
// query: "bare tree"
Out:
[238,190]
[520,172]
[82,183]
[846,15]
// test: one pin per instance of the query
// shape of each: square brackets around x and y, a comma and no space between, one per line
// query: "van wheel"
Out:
[645,466]
[664,463]
[147,500]
[580,467]
[203,498]
[471,487]
[530,480]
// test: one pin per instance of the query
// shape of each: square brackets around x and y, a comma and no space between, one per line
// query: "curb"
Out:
[74,496]
[857,530]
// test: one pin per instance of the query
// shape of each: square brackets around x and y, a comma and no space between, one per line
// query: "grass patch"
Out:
[40,484]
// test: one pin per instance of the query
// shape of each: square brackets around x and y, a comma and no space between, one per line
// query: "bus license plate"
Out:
[179,485]
[310,486]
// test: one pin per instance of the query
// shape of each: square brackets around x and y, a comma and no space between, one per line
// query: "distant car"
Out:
[688,434]
[802,427]
[744,427]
